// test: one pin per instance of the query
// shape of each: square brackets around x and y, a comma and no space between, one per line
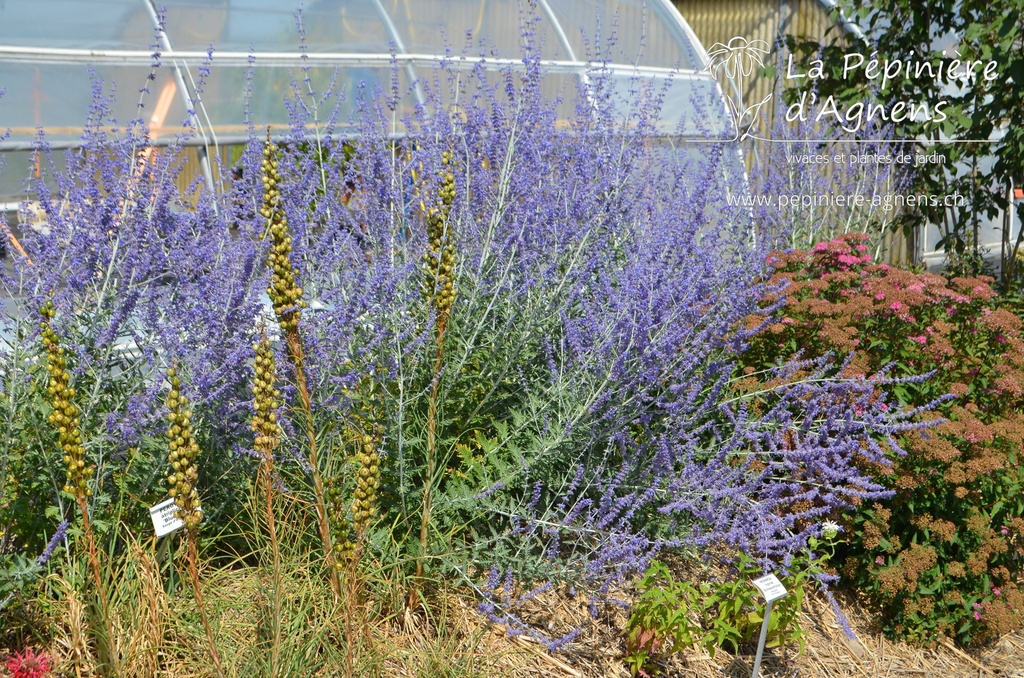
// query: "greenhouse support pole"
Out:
[203,151]
[559,31]
[569,51]
[392,30]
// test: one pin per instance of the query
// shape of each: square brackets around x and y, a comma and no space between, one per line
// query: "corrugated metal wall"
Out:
[768,20]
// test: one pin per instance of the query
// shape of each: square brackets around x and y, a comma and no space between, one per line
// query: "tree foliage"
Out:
[979,137]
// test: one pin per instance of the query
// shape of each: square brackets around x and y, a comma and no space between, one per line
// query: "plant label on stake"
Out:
[164,521]
[772,589]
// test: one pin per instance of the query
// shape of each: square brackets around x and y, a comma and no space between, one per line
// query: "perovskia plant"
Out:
[578,420]
[568,413]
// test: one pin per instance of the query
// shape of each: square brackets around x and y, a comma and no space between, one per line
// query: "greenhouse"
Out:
[230,64]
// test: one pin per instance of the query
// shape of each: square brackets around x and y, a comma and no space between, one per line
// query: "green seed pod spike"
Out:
[183,453]
[65,415]
[285,294]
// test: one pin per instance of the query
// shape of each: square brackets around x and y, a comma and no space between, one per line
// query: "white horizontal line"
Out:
[932,142]
[143,57]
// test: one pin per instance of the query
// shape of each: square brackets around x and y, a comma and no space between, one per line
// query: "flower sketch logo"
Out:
[736,59]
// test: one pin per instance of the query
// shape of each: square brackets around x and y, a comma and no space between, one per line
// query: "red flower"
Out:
[28,665]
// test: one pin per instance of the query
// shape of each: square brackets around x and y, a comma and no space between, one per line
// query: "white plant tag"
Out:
[164,521]
[770,587]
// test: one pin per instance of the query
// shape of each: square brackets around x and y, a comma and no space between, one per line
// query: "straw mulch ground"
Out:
[598,653]
[456,641]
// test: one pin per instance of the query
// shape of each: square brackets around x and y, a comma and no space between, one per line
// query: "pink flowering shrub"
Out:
[943,555]
[28,665]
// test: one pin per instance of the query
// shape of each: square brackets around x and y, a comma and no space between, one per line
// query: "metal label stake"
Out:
[772,589]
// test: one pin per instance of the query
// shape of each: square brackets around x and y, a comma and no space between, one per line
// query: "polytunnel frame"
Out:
[206,135]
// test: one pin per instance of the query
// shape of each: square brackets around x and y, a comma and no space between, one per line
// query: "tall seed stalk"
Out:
[439,293]
[65,418]
[286,296]
[183,453]
[345,558]
[364,434]
[364,507]
[268,437]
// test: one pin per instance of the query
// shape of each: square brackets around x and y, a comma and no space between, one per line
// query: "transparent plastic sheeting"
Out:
[56,98]
[81,24]
[54,54]
[646,33]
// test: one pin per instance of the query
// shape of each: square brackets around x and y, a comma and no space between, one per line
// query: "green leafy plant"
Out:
[17,572]
[974,107]
[659,623]
[734,611]
[671,615]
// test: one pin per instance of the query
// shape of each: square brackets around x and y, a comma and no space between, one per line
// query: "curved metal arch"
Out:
[563,38]
[392,30]
[188,97]
[206,135]
[848,25]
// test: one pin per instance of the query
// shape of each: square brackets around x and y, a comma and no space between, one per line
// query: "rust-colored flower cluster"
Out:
[951,531]
[341,528]
[265,400]
[349,521]
[364,506]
